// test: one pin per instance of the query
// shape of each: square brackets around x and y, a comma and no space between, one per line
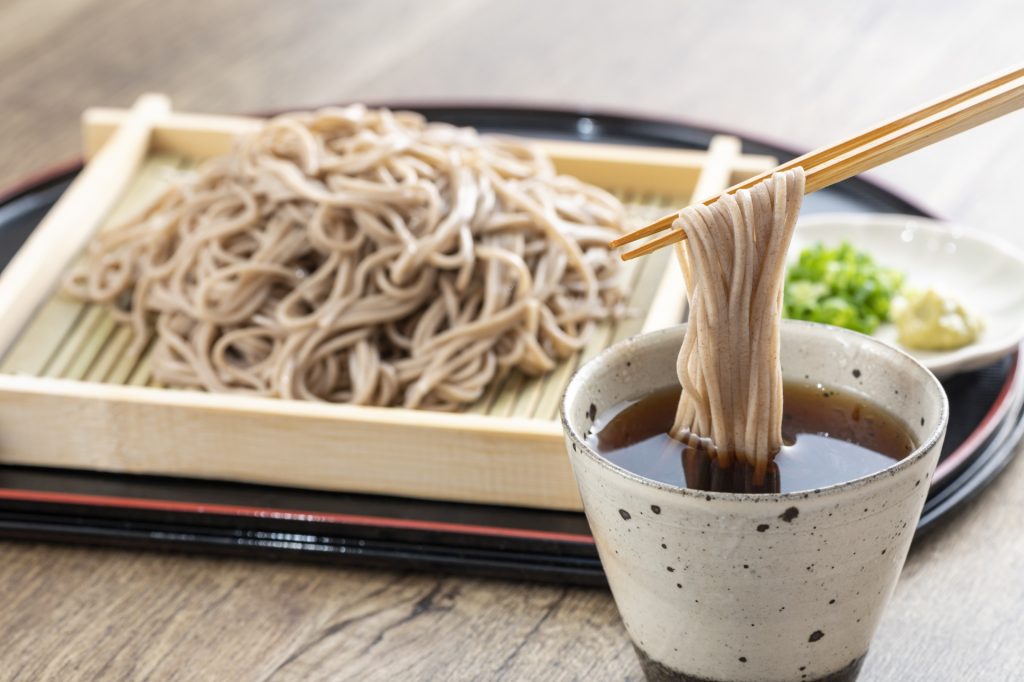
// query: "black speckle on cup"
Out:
[626,516]
[815,636]
[789,514]
[592,411]
[763,527]
[656,509]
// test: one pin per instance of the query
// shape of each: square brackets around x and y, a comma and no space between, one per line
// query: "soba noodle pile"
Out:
[362,256]
[734,261]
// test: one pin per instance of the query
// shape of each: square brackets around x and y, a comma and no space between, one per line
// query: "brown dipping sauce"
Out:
[829,437]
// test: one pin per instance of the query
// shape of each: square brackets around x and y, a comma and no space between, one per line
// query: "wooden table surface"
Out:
[802,72]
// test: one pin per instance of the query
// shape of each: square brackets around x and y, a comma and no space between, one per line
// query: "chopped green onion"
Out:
[840,286]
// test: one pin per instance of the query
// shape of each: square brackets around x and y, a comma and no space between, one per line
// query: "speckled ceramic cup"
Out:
[765,588]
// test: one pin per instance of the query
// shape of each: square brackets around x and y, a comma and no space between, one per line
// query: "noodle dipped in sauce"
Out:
[736,428]
[733,262]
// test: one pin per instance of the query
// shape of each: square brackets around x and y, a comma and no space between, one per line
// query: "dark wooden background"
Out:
[800,72]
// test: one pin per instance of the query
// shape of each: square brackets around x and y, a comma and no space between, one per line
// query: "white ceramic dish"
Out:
[984,273]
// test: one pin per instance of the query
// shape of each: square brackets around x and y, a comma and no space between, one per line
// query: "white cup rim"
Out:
[816,328]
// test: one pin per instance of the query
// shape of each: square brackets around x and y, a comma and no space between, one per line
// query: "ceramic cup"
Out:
[771,587]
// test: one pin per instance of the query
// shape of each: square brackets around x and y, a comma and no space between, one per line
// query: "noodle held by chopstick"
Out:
[734,261]
[362,256]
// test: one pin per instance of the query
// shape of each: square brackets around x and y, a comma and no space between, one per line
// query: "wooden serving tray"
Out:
[70,397]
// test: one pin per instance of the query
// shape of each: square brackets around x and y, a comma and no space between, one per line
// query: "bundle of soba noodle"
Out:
[362,256]
[733,261]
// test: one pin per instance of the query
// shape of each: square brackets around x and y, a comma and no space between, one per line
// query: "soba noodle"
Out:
[733,261]
[362,256]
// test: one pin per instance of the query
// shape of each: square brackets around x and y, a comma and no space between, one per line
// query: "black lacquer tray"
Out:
[361,530]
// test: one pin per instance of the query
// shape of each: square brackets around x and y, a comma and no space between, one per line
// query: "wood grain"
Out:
[824,69]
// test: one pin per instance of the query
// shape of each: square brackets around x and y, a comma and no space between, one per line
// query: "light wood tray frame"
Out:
[71,397]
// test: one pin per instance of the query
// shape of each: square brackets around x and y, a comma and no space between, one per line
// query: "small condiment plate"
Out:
[984,273]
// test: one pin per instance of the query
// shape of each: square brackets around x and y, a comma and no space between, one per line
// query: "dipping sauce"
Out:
[829,436]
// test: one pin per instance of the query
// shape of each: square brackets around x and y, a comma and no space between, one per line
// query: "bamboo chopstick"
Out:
[828,165]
